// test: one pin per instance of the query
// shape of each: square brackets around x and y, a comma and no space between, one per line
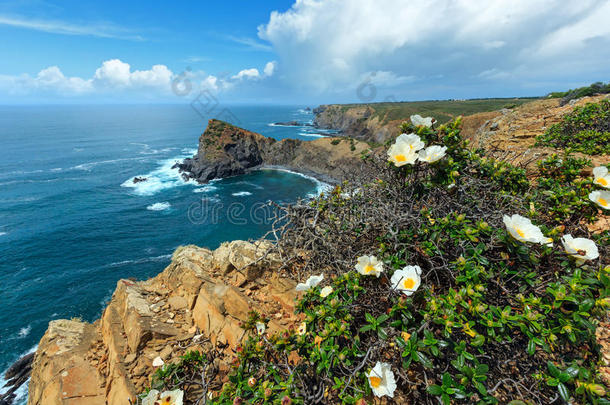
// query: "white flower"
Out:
[302,328]
[165,398]
[381,379]
[418,120]
[157,362]
[401,154]
[260,328]
[150,399]
[325,292]
[601,198]
[580,248]
[523,230]
[601,176]
[414,141]
[310,283]
[407,280]
[369,266]
[432,153]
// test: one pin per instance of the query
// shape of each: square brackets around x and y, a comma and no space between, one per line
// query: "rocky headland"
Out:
[226,150]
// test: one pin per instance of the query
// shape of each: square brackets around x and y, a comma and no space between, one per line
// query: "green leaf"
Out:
[481,369]
[425,361]
[563,392]
[553,369]
[531,347]
[572,371]
[446,399]
[434,390]
[481,388]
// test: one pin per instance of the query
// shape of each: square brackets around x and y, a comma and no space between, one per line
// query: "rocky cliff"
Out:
[198,301]
[226,150]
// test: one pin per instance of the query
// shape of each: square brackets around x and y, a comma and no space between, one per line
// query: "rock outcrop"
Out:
[510,134]
[226,150]
[200,299]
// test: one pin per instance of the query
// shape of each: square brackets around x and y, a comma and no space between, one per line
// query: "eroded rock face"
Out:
[198,300]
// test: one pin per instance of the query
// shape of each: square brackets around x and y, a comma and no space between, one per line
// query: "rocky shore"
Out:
[226,150]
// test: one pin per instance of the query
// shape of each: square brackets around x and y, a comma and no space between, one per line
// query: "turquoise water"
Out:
[72,223]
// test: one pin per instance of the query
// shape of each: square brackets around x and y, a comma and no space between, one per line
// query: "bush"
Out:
[595,88]
[586,130]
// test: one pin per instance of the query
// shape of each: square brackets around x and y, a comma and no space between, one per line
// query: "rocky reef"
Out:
[199,300]
[226,150]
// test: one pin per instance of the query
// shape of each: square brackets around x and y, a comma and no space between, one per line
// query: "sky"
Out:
[298,52]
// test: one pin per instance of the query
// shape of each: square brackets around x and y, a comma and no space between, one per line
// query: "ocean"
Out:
[72,222]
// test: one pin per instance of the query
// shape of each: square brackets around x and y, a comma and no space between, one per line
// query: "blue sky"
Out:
[303,51]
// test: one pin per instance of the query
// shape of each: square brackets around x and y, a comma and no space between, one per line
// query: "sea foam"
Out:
[162,178]
[160,206]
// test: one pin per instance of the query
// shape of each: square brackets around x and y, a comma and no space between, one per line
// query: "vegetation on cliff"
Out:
[586,130]
[595,88]
[452,277]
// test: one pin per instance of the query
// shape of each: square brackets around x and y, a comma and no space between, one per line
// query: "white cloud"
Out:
[270,68]
[116,78]
[66,28]
[327,46]
[247,74]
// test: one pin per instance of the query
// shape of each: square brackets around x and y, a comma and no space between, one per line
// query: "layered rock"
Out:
[226,150]
[199,300]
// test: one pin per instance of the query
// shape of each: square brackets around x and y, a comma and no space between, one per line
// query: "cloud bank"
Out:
[333,45]
[117,78]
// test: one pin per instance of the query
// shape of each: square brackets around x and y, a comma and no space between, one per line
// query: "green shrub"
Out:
[586,130]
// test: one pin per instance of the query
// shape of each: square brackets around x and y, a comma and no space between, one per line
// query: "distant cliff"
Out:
[379,122]
[226,150]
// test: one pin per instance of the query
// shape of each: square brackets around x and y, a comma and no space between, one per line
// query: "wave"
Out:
[90,165]
[321,187]
[21,395]
[147,150]
[140,261]
[160,206]
[303,111]
[313,135]
[162,178]
[23,332]
[205,189]
[241,194]
[3,233]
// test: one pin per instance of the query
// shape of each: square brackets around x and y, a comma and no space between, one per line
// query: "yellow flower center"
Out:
[400,158]
[166,401]
[375,381]
[369,269]
[602,201]
[408,283]
[520,232]
[602,181]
